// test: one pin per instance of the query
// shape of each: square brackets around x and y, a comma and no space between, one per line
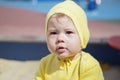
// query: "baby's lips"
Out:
[61,48]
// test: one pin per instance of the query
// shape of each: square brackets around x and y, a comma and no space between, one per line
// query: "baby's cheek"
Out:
[76,49]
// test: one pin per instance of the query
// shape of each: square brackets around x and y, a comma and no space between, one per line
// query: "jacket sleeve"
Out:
[39,73]
[92,73]
[90,69]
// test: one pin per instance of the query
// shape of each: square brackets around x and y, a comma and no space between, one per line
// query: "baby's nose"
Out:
[60,40]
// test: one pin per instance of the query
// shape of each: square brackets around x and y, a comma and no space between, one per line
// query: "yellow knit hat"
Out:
[78,16]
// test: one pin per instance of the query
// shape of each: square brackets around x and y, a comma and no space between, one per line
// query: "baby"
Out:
[67,34]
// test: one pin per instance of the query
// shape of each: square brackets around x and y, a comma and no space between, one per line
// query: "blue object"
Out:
[92,5]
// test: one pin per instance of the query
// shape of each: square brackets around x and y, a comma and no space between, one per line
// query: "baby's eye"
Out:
[69,32]
[53,33]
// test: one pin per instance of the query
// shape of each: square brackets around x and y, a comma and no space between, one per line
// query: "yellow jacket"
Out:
[83,68]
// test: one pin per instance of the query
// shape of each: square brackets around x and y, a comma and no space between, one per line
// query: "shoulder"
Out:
[88,62]
[47,58]
[90,68]
[46,61]
[88,58]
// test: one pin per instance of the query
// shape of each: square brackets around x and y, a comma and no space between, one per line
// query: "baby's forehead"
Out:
[60,17]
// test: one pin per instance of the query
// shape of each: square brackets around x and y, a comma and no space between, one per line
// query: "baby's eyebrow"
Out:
[51,29]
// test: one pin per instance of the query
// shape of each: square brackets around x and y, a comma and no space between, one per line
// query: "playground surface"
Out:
[23,25]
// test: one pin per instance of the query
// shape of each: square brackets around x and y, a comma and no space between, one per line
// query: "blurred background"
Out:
[22,38]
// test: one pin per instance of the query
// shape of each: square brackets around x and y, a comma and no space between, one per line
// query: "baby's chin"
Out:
[65,58]
[69,57]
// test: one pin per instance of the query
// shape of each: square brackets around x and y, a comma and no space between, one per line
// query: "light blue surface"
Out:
[109,9]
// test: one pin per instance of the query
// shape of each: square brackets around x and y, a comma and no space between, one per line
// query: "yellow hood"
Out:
[78,16]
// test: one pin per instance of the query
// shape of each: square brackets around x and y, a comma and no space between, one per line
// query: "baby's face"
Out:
[62,37]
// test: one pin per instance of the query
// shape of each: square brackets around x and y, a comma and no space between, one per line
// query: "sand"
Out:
[17,70]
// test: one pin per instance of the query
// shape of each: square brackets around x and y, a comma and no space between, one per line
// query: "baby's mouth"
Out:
[61,49]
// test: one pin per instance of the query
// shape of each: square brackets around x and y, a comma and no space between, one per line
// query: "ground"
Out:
[17,70]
